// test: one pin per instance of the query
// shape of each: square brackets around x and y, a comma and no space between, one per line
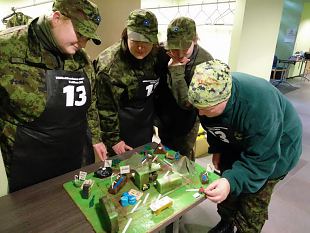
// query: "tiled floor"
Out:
[289,211]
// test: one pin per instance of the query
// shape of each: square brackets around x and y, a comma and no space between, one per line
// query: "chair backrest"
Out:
[275,62]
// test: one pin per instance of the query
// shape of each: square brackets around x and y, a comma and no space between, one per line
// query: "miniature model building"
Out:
[145,175]
[118,184]
[168,183]
[161,204]
[86,188]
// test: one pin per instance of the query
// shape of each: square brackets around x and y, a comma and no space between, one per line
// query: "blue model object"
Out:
[118,182]
[124,201]
[125,194]
[204,178]
[128,199]
[132,200]
[166,148]
[177,155]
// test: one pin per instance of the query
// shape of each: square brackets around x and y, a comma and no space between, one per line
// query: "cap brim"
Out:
[140,37]
[96,40]
[87,30]
[177,44]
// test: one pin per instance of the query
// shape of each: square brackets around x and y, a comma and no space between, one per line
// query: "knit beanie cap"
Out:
[210,85]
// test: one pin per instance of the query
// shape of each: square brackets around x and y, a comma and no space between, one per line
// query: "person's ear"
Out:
[55,19]
[195,40]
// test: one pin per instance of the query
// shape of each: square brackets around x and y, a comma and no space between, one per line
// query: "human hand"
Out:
[218,190]
[174,61]
[100,151]
[121,147]
[216,160]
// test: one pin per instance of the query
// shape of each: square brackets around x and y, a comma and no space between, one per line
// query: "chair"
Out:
[280,66]
[306,72]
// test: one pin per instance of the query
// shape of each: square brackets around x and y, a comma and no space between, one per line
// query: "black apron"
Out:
[53,144]
[226,138]
[174,121]
[136,115]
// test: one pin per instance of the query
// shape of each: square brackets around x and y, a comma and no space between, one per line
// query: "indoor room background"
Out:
[244,33]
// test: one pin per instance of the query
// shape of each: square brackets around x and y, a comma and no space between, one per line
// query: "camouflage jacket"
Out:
[171,105]
[180,76]
[22,80]
[116,83]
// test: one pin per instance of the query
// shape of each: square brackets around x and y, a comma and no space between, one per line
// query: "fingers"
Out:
[212,186]
[128,147]
[218,190]
[100,151]
[104,155]
[169,54]
[121,147]
[119,150]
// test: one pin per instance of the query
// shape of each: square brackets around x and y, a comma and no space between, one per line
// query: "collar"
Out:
[231,100]
[41,57]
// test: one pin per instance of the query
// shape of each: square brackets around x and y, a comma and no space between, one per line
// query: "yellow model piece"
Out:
[161,204]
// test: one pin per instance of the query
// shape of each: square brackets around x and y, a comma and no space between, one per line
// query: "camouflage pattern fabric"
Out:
[171,100]
[18,19]
[84,15]
[142,26]
[180,33]
[22,81]
[249,211]
[211,84]
[117,80]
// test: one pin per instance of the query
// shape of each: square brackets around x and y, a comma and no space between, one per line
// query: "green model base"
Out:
[105,218]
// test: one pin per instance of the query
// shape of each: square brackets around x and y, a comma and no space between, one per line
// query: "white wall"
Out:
[214,38]
[255,36]
[114,15]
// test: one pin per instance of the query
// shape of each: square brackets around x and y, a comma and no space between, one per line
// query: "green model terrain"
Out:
[113,217]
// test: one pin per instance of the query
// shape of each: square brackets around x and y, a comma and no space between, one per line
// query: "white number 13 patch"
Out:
[70,90]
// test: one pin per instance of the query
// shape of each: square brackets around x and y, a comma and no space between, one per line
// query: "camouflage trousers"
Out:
[248,211]
[183,144]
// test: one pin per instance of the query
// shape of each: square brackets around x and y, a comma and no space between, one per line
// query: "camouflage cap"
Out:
[84,15]
[211,84]
[142,26]
[180,33]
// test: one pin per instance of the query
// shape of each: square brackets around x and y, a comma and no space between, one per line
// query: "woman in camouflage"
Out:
[126,80]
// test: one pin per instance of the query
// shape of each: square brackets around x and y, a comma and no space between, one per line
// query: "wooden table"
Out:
[46,207]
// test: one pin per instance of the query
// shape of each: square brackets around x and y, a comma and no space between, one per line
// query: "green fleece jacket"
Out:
[262,127]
